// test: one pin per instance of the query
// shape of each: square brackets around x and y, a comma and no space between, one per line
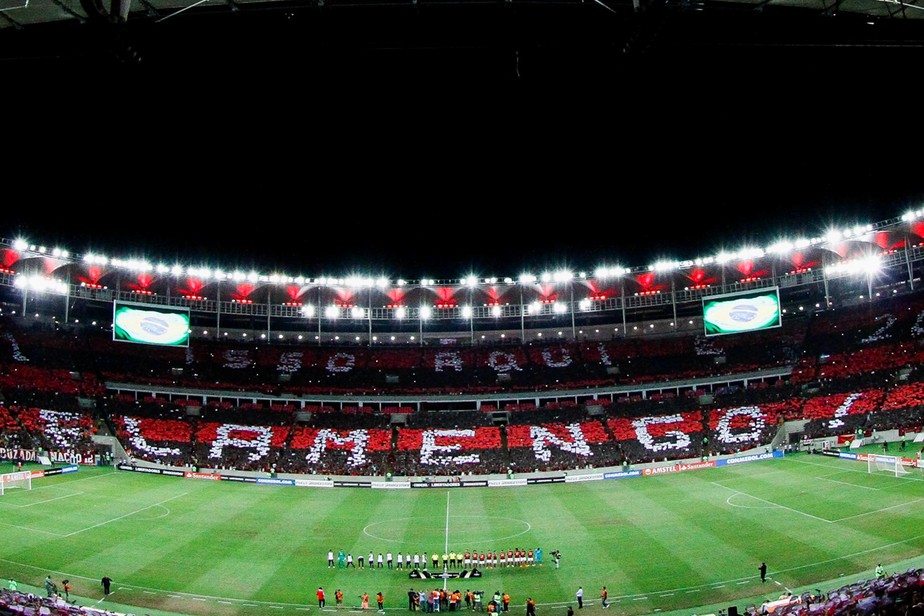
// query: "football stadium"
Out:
[740,433]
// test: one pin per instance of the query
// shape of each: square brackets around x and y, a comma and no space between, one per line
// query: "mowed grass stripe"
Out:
[168,553]
[517,518]
[58,506]
[285,538]
[176,552]
[813,543]
[659,543]
[268,547]
[806,531]
[85,517]
[704,528]
[849,503]
[606,534]
[831,500]
[235,541]
[661,539]
[487,521]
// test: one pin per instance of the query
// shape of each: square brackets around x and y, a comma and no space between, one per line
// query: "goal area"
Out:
[19,479]
[885,464]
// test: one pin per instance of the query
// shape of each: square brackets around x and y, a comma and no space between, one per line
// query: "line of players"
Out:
[500,558]
[450,560]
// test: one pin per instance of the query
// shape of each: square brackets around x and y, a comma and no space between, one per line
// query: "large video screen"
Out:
[144,324]
[746,311]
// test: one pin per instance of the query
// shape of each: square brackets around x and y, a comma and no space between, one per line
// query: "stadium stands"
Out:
[220,405]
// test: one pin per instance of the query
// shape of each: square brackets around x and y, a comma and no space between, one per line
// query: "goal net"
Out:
[885,464]
[20,479]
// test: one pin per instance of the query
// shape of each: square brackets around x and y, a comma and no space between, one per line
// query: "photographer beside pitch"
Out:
[556,555]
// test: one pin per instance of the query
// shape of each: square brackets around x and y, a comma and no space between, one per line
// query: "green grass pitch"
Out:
[671,543]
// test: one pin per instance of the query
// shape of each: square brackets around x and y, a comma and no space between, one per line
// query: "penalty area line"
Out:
[47,500]
[784,507]
[126,515]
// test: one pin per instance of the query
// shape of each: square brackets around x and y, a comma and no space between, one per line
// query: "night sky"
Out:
[443,199]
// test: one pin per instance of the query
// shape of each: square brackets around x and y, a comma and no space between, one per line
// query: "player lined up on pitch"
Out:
[434,561]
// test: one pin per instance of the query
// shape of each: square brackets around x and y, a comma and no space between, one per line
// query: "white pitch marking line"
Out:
[126,515]
[860,515]
[34,530]
[763,500]
[847,483]
[48,500]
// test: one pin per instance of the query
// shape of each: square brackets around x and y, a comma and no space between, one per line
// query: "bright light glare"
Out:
[40,284]
[866,266]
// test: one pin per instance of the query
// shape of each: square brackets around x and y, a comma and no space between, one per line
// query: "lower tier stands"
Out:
[544,439]
[362,442]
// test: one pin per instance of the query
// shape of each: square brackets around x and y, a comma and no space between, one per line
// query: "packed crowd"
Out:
[899,594]
[17,603]
[865,378]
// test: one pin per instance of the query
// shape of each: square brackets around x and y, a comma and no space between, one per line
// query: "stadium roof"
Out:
[21,13]
[511,37]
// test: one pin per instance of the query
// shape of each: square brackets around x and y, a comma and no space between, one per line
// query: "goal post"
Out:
[888,464]
[19,479]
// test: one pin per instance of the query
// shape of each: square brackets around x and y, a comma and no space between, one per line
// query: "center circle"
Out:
[464,530]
